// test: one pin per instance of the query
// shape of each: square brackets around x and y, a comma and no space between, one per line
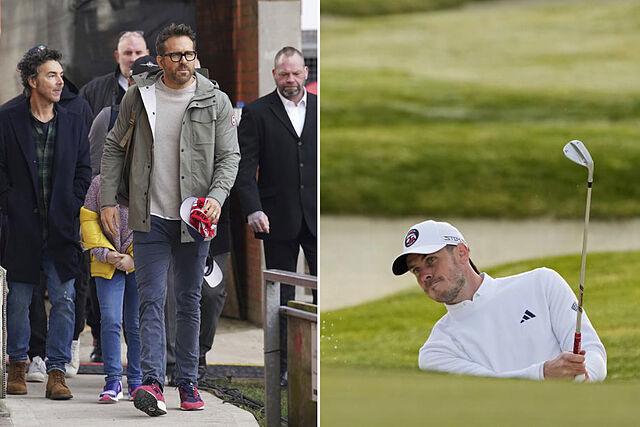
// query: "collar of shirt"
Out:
[290,104]
[296,113]
[123,82]
[486,289]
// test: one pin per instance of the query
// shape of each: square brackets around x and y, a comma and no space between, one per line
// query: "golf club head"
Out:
[578,153]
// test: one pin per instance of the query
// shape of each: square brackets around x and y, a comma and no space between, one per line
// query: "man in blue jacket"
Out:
[44,175]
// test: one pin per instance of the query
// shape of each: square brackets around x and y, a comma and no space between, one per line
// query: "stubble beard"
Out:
[179,79]
[290,93]
[449,296]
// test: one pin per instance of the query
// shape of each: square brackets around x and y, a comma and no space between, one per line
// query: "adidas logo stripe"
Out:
[527,315]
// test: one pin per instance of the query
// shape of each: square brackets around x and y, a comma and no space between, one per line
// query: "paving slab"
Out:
[33,409]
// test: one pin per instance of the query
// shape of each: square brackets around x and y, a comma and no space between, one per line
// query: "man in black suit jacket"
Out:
[44,175]
[278,137]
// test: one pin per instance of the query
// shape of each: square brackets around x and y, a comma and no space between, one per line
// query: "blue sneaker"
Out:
[112,392]
[132,387]
[189,398]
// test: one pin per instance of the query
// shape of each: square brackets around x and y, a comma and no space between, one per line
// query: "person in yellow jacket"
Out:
[112,267]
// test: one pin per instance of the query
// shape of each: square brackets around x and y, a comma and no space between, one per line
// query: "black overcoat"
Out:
[286,189]
[19,195]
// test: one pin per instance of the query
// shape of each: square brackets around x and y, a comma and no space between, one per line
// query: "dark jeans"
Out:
[283,255]
[211,305]
[153,252]
[38,314]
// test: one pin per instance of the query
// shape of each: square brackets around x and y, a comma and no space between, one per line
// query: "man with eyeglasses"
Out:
[184,144]
[109,89]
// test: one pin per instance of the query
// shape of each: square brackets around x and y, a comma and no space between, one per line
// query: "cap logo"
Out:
[411,237]
[452,239]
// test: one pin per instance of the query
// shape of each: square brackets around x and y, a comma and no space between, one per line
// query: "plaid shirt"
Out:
[45,147]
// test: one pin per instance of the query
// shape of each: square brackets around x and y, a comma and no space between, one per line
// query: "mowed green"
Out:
[369,373]
[399,397]
[384,7]
[465,112]
[388,333]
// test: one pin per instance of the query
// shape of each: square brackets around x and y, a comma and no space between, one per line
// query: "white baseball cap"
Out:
[426,238]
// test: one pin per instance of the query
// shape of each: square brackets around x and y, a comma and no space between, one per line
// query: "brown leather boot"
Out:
[16,383]
[56,387]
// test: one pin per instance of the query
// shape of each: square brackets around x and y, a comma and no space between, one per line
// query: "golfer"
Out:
[519,326]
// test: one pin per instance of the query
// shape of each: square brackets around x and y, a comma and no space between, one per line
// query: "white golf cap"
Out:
[426,238]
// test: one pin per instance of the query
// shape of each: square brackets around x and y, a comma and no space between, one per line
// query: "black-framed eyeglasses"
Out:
[189,55]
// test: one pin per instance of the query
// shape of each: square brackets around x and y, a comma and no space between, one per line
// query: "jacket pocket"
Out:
[203,125]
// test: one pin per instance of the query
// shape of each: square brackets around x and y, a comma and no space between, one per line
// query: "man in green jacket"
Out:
[184,144]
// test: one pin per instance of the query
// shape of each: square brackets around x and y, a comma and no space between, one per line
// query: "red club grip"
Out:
[576,343]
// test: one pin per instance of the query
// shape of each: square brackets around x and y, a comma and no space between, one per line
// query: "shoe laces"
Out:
[57,376]
[112,385]
[189,391]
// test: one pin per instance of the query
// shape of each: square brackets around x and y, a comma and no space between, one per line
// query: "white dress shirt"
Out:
[296,113]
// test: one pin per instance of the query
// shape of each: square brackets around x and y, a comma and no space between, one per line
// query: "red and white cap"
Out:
[426,238]
[199,226]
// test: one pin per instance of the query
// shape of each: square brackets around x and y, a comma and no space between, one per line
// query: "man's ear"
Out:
[462,252]
[33,82]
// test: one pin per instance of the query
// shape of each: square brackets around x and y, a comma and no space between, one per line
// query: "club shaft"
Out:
[583,266]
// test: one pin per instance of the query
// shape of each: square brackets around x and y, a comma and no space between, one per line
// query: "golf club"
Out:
[578,153]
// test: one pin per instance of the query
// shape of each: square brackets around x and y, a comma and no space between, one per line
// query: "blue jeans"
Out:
[152,252]
[61,317]
[112,295]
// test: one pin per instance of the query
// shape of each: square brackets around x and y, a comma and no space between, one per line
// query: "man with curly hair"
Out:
[44,175]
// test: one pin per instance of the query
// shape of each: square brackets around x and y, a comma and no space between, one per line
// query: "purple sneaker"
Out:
[149,399]
[132,387]
[112,392]
[189,398]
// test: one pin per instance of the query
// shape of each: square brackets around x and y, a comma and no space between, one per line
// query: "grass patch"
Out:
[465,112]
[399,397]
[385,7]
[246,393]
[389,332]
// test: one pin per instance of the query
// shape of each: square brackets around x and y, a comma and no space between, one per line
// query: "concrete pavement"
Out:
[356,252]
[236,343]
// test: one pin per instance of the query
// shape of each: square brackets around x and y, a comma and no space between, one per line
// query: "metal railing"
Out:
[271,323]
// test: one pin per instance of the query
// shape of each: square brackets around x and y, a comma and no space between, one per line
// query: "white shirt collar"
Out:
[485,290]
[288,103]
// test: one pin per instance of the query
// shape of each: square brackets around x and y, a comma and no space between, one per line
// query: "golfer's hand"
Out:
[258,222]
[212,209]
[125,263]
[110,218]
[566,365]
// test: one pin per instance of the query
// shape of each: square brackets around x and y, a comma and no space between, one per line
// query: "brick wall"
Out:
[227,45]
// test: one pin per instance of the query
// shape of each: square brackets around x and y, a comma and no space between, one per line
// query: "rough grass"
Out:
[388,333]
[384,7]
[398,397]
[465,112]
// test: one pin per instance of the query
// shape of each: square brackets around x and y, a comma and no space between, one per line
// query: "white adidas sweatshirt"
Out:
[510,328]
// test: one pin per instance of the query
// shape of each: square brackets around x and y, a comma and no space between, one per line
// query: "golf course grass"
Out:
[400,397]
[464,112]
[369,356]
[383,7]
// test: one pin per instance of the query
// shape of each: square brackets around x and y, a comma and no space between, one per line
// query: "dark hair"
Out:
[450,249]
[34,58]
[173,30]
[287,51]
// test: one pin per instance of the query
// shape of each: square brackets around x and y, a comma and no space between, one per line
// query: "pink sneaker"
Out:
[149,399]
[189,398]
